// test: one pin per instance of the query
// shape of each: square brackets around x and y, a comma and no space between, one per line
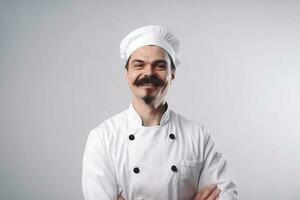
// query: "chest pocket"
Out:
[189,178]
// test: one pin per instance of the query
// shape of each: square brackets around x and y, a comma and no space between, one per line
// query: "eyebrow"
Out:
[136,60]
[155,62]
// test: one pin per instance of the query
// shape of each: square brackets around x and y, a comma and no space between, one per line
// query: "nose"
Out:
[148,70]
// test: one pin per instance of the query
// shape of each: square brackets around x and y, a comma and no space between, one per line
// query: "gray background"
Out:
[60,76]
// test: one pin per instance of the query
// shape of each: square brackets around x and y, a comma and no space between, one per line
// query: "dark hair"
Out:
[173,68]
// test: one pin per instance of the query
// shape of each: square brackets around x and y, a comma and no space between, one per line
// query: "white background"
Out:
[60,76]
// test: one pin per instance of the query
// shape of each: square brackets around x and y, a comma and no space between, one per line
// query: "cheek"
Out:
[132,77]
[166,77]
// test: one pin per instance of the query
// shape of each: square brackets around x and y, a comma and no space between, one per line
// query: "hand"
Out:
[208,193]
[120,198]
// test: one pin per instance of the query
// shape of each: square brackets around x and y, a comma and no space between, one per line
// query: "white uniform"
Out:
[170,161]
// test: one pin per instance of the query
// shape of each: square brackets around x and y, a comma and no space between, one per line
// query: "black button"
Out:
[131,137]
[172,136]
[174,168]
[136,170]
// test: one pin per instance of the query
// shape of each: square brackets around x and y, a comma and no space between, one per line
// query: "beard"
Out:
[148,99]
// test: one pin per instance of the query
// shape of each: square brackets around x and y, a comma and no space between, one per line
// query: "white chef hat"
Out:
[150,35]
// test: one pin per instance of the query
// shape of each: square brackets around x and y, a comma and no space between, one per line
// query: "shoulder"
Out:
[192,128]
[109,126]
[189,123]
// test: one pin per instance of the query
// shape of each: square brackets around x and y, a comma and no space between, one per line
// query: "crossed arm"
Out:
[97,176]
[207,193]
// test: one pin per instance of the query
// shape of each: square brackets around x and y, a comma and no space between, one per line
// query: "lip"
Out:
[149,86]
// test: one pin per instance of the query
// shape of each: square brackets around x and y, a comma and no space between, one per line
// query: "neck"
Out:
[150,113]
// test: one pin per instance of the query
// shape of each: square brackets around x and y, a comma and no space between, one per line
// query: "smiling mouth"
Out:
[149,85]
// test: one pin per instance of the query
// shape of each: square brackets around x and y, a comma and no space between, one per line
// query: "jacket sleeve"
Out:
[216,169]
[98,175]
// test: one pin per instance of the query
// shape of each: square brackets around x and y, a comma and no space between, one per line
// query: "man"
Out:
[149,151]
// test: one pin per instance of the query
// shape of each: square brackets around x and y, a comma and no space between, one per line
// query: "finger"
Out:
[206,193]
[203,192]
[215,194]
[198,195]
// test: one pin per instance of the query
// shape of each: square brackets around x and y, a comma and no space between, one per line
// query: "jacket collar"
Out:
[134,120]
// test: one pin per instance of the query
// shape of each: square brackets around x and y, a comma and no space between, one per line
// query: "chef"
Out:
[148,151]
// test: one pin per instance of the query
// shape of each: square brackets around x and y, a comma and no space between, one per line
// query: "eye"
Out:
[138,65]
[161,66]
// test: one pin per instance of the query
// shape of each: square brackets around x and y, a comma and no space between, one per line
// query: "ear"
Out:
[173,75]
[126,74]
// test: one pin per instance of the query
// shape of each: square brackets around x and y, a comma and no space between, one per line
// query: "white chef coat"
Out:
[170,161]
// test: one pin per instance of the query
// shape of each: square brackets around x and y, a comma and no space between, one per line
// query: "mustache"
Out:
[149,79]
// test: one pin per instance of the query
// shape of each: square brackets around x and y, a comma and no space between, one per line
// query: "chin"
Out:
[148,99]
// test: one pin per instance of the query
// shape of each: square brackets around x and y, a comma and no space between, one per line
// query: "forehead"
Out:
[150,53]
